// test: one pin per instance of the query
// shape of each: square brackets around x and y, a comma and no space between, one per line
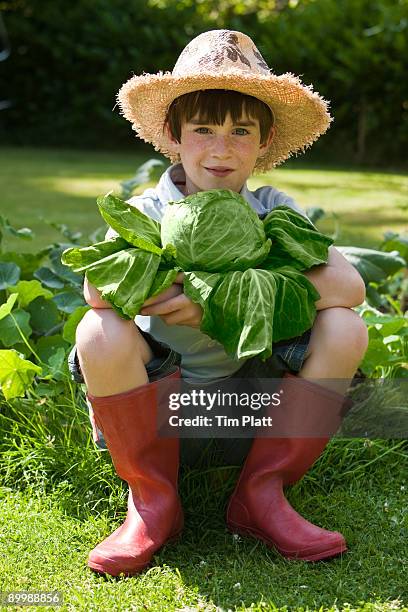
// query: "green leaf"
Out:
[395,242]
[72,322]
[64,230]
[241,307]
[68,301]
[315,213]
[124,278]
[16,374]
[79,259]
[247,311]
[162,281]
[50,389]
[374,297]
[48,278]
[54,368]
[25,232]
[294,236]
[9,333]
[27,262]
[48,345]
[295,308]
[377,353]
[6,308]
[44,314]
[373,266]
[146,173]
[62,271]
[23,349]
[9,274]
[198,286]
[135,227]
[28,291]
[387,324]
[97,235]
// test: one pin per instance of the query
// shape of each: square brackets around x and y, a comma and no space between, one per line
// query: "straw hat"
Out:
[224,59]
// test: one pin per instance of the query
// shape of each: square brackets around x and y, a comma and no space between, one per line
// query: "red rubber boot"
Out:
[150,465]
[258,506]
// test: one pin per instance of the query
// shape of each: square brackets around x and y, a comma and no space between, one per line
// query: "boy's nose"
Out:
[221,144]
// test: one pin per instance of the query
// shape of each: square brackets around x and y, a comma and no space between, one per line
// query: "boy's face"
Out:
[219,156]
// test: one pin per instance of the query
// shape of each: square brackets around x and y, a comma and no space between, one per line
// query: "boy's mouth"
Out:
[219,171]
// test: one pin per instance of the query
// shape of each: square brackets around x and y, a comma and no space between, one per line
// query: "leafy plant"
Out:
[246,275]
[41,304]
[384,311]
[386,315]
[387,352]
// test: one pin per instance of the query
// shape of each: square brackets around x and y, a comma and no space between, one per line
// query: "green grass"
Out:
[45,548]
[60,497]
[62,186]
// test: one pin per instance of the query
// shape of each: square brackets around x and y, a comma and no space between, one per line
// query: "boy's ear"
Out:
[170,136]
[265,146]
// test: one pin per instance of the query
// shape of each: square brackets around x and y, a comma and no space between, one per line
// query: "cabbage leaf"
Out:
[245,273]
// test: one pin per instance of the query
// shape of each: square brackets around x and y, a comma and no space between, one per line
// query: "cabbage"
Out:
[201,226]
[245,273]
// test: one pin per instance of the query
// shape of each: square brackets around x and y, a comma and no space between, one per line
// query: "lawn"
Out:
[61,186]
[59,496]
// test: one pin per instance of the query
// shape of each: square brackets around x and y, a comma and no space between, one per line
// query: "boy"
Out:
[218,116]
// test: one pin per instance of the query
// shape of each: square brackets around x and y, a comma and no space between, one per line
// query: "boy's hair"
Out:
[212,106]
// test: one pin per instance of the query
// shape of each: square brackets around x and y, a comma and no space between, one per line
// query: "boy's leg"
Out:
[112,355]
[258,506]
[337,345]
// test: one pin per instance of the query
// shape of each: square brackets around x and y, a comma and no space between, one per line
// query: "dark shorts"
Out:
[287,355]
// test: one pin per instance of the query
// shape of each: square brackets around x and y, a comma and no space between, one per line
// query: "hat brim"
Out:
[301,115]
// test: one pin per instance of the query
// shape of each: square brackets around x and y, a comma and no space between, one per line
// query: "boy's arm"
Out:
[338,282]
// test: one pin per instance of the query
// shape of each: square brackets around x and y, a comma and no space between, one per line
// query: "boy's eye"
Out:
[240,131]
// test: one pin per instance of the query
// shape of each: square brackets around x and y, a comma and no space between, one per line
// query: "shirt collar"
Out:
[167,188]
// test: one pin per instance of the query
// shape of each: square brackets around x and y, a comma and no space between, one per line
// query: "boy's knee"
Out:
[102,330]
[345,330]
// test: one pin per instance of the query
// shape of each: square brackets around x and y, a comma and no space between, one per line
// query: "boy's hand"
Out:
[173,306]
[93,297]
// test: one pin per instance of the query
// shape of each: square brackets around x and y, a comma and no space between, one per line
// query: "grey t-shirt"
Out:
[202,358]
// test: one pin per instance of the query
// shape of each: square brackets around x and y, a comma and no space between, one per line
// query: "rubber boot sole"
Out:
[112,570]
[298,556]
